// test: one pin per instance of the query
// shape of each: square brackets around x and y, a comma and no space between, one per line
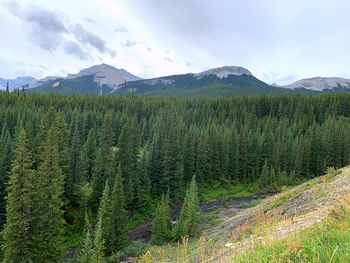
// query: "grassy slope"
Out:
[307,223]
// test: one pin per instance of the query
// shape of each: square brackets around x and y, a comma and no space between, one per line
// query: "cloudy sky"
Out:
[277,40]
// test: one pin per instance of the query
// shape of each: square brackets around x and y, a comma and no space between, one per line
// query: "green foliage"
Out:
[162,142]
[86,254]
[105,214]
[161,228]
[189,217]
[20,232]
[50,205]
[99,243]
[118,218]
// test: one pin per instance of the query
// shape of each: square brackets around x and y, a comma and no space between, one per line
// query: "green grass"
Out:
[251,204]
[216,191]
[215,222]
[140,217]
[328,241]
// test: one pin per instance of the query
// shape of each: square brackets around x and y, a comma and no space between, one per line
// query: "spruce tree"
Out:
[89,154]
[118,216]
[86,255]
[189,217]
[6,156]
[50,212]
[99,243]
[74,178]
[161,228]
[104,213]
[19,234]
[264,176]
[98,179]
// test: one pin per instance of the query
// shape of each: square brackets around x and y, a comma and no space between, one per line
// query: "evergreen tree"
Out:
[50,212]
[98,179]
[19,234]
[161,228]
[89,154]
[86,255]
[189,217]
[5,166]
[118,217]
[99,243]
[264,177]
[104,213]
[74,178]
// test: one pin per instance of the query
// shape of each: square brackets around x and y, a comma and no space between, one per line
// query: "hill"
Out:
[306,223]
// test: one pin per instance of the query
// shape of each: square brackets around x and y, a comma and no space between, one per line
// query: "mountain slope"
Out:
[98,79]
[79,85]
[321,84]
[224,81]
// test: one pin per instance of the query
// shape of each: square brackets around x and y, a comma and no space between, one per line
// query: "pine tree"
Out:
[6,156]
[74,178]
[189,217]
[86,254]
[89,154]
[104,213]
[7,87]
[264,177]
[161,228]
[99,243]
[98,179]
[19,235]
[50,212]
[118,217]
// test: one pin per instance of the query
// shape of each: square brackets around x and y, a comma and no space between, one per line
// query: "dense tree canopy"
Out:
[75,145]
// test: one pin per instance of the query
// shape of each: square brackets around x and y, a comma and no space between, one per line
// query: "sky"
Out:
[277,40]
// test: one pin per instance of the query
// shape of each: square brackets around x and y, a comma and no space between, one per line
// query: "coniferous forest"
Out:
[84,167]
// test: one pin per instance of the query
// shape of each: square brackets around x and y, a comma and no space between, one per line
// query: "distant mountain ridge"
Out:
[15,83]
[320,84]
[104,79]
[217,82]
[98,79]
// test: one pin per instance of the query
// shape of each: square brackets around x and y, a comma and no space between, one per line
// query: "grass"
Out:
[215,222]
[216,191]
[317,236]
[328,241]
[251,204]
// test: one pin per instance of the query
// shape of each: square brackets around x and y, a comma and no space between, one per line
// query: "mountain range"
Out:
[226,81]
[15,83]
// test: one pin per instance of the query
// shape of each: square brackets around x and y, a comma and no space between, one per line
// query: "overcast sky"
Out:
[277,40]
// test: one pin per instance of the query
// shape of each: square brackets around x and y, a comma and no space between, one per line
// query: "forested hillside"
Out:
[90,162]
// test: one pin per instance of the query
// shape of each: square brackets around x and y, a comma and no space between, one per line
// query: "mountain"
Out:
[217,82]
[321,84]
[98,79]
[15,83]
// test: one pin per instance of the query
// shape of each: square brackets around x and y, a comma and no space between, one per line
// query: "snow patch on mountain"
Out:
[224,72]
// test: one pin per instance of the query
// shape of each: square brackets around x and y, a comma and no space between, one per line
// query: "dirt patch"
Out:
[143,232]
